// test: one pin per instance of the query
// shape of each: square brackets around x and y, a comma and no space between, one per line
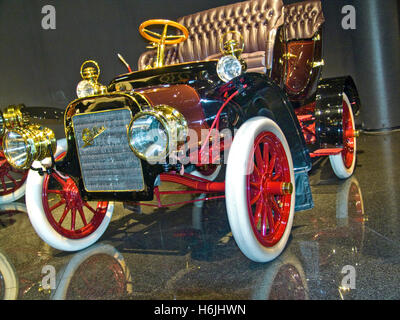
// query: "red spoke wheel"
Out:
[58,213]
[69,215]
[12,181]
[344,163]
[260,189]
[348,136]
[268,206]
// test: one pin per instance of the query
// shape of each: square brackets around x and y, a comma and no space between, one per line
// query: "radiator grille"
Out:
[107,163]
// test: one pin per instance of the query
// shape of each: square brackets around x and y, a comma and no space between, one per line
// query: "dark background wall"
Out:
[41,67]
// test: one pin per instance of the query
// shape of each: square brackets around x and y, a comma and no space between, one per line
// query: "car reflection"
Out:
[283,279]
[189,250]
[343,240]
[10,213]
[9,285]
[99,272]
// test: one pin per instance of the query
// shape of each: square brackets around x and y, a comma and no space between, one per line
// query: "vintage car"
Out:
[16,117]
[237,87]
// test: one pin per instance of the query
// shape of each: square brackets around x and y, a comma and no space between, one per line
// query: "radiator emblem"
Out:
[88,135]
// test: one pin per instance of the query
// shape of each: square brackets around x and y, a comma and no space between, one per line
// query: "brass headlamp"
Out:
[231,65]
[233,46]
[152,134]
[89,86]
[23,146]
[13,116]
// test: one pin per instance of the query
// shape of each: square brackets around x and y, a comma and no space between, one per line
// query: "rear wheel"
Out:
[58,213]
[260,189]
[209,171]
[343,164]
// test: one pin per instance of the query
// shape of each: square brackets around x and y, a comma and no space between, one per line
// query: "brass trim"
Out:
[231,47]
[89,135]
[79,159]
[317,37]
[111,94]
[288,56]
[356,133]
[317,64]
[287,188]
[173,65]
[2,124]
[143,97]
[14,116]
[92,75]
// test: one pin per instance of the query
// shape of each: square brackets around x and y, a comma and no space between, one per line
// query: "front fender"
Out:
[259,96]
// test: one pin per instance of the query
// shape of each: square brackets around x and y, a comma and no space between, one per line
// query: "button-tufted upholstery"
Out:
[256,20]
[303,19]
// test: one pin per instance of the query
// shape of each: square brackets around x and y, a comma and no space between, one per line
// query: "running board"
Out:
[326,152]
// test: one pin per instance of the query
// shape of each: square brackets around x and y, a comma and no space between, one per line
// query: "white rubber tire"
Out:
[39,220]
[336,160]
[16,195]
[236,194]
[10,279]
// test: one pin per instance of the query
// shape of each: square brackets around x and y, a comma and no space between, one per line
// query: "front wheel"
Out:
[260,195]
[58,213]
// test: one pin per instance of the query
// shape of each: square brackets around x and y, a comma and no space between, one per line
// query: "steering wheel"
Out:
[163,38]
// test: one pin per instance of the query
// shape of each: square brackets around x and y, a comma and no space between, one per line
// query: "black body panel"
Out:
[329,109]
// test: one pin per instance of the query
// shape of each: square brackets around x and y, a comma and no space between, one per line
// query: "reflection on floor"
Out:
[347,247]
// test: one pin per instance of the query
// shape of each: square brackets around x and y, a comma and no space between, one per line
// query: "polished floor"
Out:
[352,237]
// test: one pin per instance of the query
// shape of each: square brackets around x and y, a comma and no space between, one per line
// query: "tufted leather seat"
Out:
[256,20]
[302,20]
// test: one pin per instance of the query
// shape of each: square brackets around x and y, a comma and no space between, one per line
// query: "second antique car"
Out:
[201,104]
[16,117]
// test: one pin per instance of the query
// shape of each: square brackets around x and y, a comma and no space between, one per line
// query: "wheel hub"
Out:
[71,195]
[269,187]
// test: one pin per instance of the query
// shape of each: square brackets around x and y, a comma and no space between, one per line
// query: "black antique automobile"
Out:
[240,91]
[20,117]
